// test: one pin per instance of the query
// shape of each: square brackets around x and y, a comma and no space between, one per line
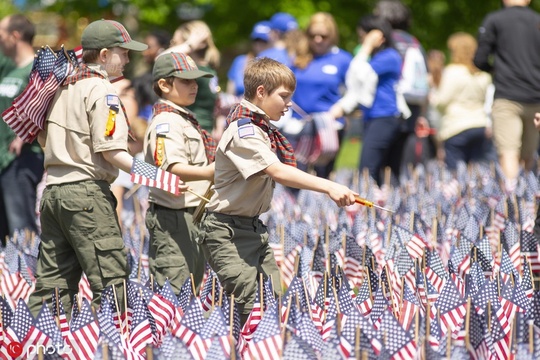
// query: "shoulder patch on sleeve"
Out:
[246,130]
[244,121]
[113,100]
[162,128]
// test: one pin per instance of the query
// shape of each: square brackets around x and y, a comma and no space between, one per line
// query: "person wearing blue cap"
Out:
[281,24]
[260,40]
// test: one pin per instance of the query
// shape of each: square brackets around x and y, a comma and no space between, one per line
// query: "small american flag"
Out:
[84,336]
[26,115]
[149,175]
[17,331]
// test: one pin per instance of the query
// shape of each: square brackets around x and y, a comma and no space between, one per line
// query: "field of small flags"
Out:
[449,275]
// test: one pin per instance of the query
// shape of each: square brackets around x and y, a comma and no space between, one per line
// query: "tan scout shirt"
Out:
[74,134]
[183,144]
[242,188]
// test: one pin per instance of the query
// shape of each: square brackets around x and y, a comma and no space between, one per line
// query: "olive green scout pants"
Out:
[174,251]
[80,232]
[237,250]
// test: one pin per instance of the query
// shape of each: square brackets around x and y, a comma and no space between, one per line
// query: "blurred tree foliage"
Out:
[231,20]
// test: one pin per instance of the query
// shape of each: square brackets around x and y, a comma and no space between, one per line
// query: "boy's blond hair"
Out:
[269,73]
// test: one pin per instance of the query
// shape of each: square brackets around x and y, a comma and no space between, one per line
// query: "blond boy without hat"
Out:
[85,142]
[250,158]
[175,142]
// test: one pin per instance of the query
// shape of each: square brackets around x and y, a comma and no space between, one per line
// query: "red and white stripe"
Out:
[264,349]
[452,320]
[141,336]
[406,314]
[407,352]
[465,266]
[83,342]
[163,312]
[277,248]
[353,271]
[9,338]
[84,288]
[415,247]
[515,256]
[317,316]
[35,338]
[287,268]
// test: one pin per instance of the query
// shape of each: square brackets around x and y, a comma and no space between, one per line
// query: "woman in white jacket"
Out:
[371,82]
[461,97]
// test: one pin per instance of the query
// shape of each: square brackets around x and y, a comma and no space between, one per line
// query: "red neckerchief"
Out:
[280,144]
[209,142]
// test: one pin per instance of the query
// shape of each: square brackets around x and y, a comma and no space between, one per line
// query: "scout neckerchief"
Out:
[209,142]
[280,144]
[85,72]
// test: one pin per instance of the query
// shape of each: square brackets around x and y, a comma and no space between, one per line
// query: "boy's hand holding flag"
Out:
[150,175]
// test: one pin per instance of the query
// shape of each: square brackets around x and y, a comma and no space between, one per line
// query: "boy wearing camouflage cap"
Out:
[175,142]
[85,143]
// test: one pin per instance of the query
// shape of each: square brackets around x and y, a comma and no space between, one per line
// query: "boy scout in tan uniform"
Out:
[85,142]
[251,156]
[175,142]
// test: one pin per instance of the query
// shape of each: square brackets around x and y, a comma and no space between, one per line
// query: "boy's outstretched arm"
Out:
[293,177]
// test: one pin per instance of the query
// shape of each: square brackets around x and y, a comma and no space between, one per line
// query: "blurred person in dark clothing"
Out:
[413,87]
[21,164]
[508,42]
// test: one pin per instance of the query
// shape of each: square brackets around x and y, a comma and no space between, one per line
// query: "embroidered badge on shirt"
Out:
[160,149]
[113,100]
[246,130]
[162,128]
[111,123]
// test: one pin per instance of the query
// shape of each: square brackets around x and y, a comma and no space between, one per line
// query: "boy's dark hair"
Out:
[25,27]
[163,37]
[90,56]
[269,73]
[395,12]
[144,92]
[372,22]
[156,87]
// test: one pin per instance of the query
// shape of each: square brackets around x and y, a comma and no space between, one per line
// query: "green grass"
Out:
[349,154]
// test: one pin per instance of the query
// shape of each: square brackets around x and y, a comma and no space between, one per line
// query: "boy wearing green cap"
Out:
[85,143]
[175,142]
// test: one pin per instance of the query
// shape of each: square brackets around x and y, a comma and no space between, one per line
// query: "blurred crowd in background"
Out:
[406,104]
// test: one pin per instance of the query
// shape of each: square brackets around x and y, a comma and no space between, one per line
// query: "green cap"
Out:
[103,34]
[178,65]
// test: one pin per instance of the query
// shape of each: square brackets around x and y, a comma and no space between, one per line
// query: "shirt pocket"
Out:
[195,147]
